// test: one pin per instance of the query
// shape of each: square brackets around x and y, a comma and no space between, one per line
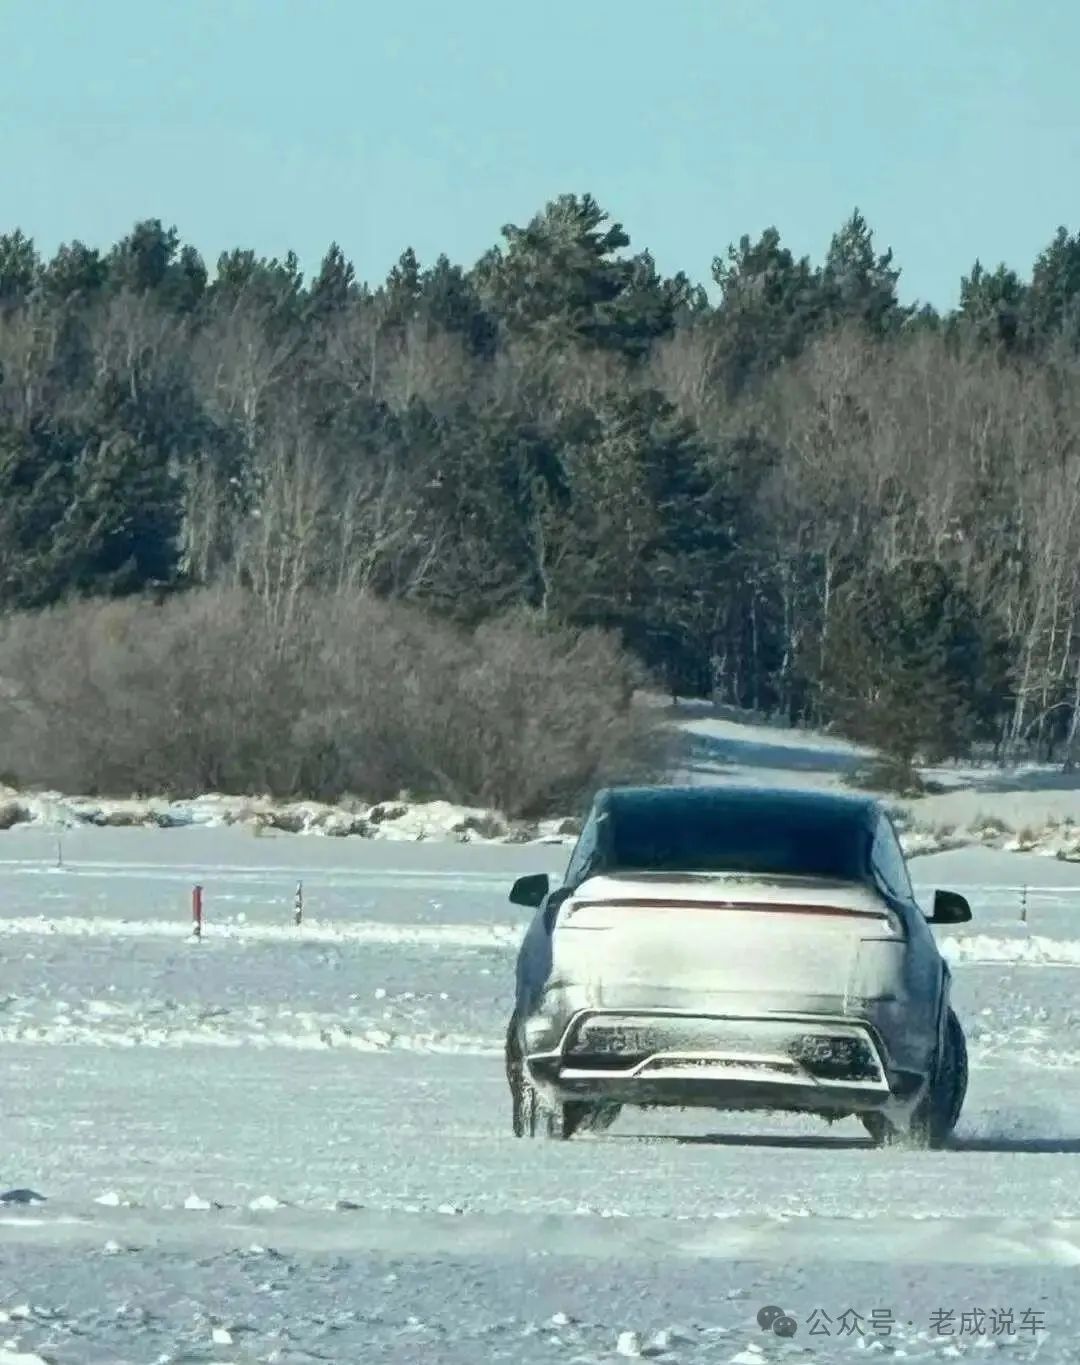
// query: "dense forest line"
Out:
[798,496]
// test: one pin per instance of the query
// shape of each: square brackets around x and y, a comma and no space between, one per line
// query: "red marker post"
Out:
[196,911]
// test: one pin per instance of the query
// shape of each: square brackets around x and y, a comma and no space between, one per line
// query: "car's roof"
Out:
[768,803]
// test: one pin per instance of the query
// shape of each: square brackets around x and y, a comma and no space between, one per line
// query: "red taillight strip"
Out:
[771,907]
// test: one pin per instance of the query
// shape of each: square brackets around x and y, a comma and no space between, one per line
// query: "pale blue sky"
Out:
[953,124]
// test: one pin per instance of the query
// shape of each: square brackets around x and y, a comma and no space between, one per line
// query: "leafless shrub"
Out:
[358,697]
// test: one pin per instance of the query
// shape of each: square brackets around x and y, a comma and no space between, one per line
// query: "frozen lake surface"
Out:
[293,1144]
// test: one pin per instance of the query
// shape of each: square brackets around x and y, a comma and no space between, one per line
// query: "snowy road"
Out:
[293,1145]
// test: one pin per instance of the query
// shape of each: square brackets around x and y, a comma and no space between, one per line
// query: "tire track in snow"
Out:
[767,1237]
[170,1026]
[370,1041]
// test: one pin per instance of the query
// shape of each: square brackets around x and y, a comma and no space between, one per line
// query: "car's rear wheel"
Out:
[935,1119]
[881,1131]
[532,1115]
[937,1113]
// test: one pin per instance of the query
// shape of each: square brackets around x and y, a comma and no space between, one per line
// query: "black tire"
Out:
[523,1106]
[533,1116]
[934,1120]
[880,1130]
[578,1116]
[566,1119]
[603,1116]
[937,1113]
[958,1047]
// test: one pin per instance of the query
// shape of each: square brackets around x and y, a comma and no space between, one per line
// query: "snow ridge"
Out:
[402,820]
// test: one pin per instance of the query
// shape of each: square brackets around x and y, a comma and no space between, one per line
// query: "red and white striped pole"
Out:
[298,904]
[196,911]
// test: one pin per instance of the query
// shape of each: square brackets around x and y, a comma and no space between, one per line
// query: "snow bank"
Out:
[402,820]
[925,826]
[457,935]
[1053,839]
[987,948]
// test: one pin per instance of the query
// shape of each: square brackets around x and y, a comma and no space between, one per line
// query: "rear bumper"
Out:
[808,1063]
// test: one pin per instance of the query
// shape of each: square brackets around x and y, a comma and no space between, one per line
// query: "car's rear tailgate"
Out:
[721,942]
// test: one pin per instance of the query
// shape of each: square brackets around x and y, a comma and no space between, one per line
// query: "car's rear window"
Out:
[785,840]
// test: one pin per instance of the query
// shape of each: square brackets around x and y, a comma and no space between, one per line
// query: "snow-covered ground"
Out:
[1029,807]
[291,1143]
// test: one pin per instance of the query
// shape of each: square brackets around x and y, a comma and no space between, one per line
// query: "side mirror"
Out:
[950,908]
[530,891]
